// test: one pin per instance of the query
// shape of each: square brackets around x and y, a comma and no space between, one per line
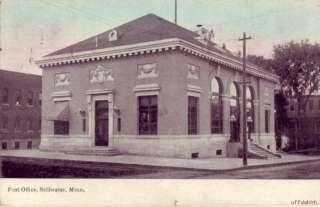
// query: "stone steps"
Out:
[260,152]
[98,151]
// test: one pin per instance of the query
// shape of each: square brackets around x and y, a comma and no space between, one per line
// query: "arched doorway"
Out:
[216,106]
[234,112]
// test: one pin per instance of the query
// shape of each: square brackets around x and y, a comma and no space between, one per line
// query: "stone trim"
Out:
[194,88]
[58,136]
[61,96]
[153,47]
[224,137]
[98,91]
[146,88]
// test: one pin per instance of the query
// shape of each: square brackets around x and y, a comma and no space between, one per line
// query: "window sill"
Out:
[5,104]
[60,136]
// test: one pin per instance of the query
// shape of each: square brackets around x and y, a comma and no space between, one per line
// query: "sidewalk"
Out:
[216,164]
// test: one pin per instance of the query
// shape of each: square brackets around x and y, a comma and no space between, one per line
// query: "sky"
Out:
[30,29]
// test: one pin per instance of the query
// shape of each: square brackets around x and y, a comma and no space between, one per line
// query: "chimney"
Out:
[224,46]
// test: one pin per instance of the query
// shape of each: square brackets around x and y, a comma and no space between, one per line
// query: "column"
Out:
[226,114]
[110,119]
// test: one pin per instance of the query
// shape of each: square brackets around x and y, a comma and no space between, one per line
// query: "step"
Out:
[262,152]
[99,151]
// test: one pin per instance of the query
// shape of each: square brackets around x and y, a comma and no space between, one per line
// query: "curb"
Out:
[101,165]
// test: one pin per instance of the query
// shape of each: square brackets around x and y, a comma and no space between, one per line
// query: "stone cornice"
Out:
[153,47]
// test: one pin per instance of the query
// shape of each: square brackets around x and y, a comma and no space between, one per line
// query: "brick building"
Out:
[20,110]
[304,131]
[151,87]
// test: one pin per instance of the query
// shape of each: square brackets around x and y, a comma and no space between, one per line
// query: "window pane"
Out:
[61,127]
[234,90]
[4,122]
[18,97]
[5,95]
[267,121]
[215,87]
[30,98]
[192,115]
[17,124]
[148,115]
[216,114]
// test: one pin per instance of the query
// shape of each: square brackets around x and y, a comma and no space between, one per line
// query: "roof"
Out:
[12,76]
[144,29]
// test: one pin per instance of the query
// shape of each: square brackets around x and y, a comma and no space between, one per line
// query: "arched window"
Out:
[216,106]
[250,108]
[234,112]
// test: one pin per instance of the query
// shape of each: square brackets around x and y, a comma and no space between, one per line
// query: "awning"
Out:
[60,112]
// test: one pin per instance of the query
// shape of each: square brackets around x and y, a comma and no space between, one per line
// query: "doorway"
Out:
[101,123]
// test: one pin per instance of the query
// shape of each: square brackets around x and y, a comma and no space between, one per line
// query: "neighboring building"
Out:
[304,132]
[20,110]
[151,87]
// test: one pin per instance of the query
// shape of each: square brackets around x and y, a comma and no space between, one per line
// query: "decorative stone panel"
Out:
[147,70]
[62,79]
[193,72]
[101,74]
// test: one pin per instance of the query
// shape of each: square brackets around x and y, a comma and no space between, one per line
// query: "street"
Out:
[14,169]
[292,171]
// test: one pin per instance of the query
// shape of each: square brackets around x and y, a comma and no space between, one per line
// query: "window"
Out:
[119,124]
[4,123]
[5,95]
[311,105]
[39,124]
[29,145]
[84,127]
[61,127]
[234,113]
[29,124]
[30,98]
[18,98]
[267,121]
[216,106]
[16,145]
[4,145]
[17,124]
[317,126]
[148,114]
[192,115]
[219,152]
[40,99]
[291,107]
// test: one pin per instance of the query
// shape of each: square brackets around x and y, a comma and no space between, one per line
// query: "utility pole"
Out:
[244,101]
[175,11]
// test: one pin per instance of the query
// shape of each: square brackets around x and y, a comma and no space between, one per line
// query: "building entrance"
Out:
[101,123]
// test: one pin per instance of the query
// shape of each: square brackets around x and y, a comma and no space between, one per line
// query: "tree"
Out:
[298,65]
[261,61]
